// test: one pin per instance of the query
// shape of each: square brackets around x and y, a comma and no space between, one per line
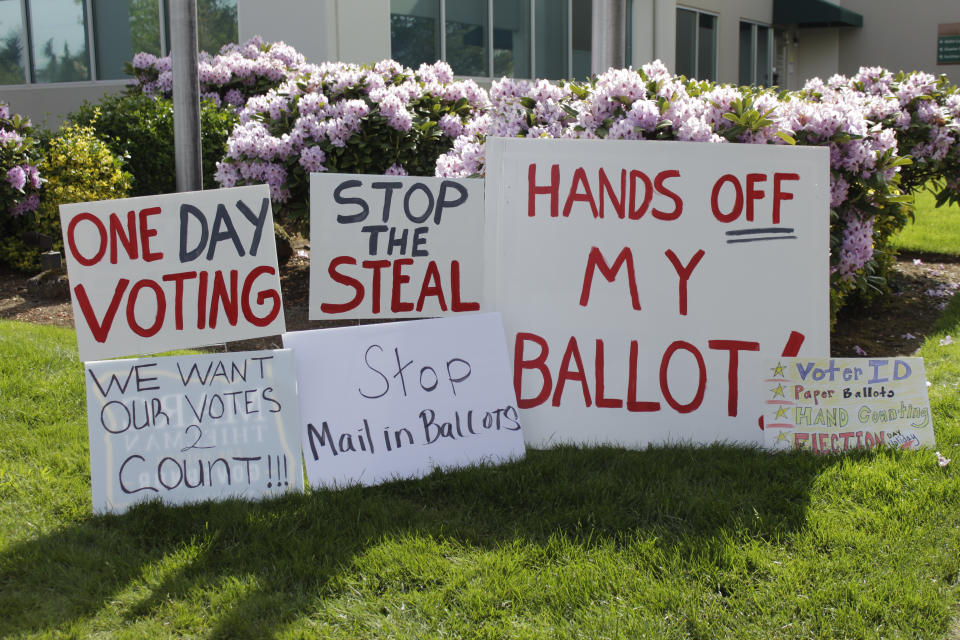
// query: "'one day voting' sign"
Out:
[832,405]
[155,273]
[187,428]
[394,247]
[641,284]
[388,401]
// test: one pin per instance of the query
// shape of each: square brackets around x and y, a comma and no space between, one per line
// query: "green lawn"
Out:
[671,542]
[934,230]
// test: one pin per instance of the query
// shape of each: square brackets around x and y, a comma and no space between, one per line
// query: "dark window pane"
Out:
[468,37]
[511,38]
[59,41]
[12,70]
[746,53]
[122,29]
[764,55]
[216,24]
[581,37]
[628,36]
[552,38]
[415,31]
[707,48]
[686,43]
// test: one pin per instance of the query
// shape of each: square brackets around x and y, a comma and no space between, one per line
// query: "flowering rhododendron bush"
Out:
[865,125]
[385,119]
[889,135]
[20,181]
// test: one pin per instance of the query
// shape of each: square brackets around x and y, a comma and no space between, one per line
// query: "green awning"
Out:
[814,13]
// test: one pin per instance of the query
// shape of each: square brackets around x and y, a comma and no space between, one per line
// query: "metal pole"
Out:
[186,95]
[608,35]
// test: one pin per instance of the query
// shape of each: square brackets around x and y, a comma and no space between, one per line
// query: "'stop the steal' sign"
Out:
[179,270]
[640,283]
[394,247]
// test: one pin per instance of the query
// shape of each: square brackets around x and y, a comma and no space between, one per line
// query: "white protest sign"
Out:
[387,401]
[394,246]
[155,273]
[188,428]
[831,405]
[641,283]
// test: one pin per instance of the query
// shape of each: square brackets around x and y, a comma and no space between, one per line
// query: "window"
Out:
[494,38]
[45,41]
[756,54]
[58,51]
[696,44]
[12,64]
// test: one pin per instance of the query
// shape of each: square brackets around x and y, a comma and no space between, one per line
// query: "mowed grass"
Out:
[671,542]
[934,230]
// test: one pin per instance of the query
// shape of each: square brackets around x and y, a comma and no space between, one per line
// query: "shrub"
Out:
[139,129]
[385,119]
[868,203]
[77,167]
[228,79]
[19,191]
[19,183]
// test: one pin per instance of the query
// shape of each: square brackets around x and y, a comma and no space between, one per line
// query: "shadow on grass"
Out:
[287,551]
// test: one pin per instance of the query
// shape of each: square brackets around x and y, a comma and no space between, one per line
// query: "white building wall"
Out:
[817,55]
[47,105]
[322,30]
[898,35]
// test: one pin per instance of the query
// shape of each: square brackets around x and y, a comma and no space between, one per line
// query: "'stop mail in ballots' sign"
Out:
[163,272]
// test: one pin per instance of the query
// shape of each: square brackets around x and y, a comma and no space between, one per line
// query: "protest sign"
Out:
[387,401]
[187,428]
[831,405]
[394,246]
[641,283]
[155,273]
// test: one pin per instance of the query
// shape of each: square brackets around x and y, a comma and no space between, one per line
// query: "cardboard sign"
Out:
[164,272]
[187,428]
[388,401]
[641,283]
[394,247]
[832,405]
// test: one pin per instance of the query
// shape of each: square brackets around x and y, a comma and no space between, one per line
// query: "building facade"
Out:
[54,54]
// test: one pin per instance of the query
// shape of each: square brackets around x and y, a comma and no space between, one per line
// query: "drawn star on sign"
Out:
[781,437]
[781,413]
[778,391]
[778,370]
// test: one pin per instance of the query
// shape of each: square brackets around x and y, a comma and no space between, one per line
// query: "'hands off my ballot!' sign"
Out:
[387,401]
[642,283]
[394,247]
[155,273]
[189,428]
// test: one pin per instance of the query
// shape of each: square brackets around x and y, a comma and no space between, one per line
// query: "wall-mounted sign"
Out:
[948,43]
[394,247]
[187,428]
[155,273]
[832,405]
[641,283]
[387,401]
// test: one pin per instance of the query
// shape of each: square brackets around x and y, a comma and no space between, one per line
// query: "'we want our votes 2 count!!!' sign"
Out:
[155,273]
